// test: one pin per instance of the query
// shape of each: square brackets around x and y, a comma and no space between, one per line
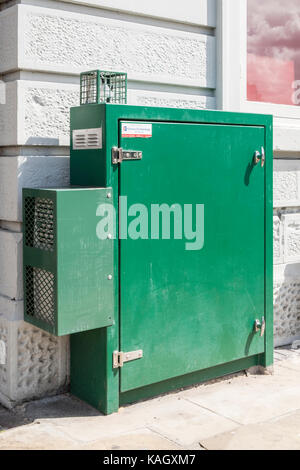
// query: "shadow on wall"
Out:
[47,141]
[42,172]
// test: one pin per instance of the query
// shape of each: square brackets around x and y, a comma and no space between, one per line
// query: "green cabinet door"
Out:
[192,309]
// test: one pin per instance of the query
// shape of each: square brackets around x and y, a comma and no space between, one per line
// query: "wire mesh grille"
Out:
[39,223]
[103,87]
[113,87]
[40,296]
[89,88]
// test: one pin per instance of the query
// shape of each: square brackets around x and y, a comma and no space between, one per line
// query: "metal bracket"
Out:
[120,357]
[118,155]
[260,326]
[260,157]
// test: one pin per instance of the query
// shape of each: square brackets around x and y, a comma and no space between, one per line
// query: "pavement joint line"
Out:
[281,352]
[287,367]
[288,413]
[255,422]
[162,435]
[76,441]
[213,411]
[281,357]
[288,352]
[270,420]
[113,436]
[104,436]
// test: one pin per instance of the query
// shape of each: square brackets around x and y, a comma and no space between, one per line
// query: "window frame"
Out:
[232,67]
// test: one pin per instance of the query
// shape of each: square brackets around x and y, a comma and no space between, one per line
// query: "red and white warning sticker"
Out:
[135,129]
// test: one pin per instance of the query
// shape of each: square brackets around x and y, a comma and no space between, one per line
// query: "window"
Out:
[273,48]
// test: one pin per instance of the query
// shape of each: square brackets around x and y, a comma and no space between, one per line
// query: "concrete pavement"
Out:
[239,412]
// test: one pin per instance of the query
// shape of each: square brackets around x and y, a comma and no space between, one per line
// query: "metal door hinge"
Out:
[120,357]
[118,155]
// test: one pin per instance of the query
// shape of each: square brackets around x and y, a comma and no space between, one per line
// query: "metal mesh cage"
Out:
[99,86]
[39,223]
[40,296]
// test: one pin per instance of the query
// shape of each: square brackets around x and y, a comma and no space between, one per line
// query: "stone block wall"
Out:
[286,250]
[170,57]
[36,363]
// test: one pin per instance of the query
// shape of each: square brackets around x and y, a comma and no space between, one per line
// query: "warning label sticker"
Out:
[134,129]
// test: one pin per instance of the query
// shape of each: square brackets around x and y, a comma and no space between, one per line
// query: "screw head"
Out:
[109,235]
[109,277]
[108,195]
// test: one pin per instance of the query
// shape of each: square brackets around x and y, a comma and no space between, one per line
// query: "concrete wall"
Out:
[169,54]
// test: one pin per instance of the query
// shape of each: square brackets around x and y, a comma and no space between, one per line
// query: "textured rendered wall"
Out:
[170,57]
[286,250]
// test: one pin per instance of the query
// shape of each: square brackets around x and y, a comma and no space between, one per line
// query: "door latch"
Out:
[120,357]
[260,157]
[118,155]
[260,326]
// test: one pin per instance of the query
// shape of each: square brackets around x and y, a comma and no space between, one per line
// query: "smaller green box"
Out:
[68,270]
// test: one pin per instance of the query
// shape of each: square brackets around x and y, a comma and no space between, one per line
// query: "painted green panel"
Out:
[67,285]
[191,310]
[88,167]
[92,376]
[84,262]
[269,336]
[190,379]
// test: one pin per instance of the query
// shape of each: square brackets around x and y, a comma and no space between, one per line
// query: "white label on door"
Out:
[134,129]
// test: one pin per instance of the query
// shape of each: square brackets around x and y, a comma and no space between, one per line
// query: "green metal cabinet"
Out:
[67,268]
[192,313]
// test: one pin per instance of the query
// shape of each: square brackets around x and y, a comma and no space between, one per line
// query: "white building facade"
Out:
[190,54]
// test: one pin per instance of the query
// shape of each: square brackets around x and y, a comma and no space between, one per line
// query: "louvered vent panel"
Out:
[93,140]
[87,139]
[79,140]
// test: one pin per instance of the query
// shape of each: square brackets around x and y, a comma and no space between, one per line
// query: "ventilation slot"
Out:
[40,297]
[93,140]
[87,139]
[80,141]
[39,223]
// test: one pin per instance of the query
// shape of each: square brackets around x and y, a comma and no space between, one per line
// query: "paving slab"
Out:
[92,429]
[292,363]
[280,434]
[240,412]
[282,353]
[143,439]
[253,399]
[57,407]
[35,437]
[178,419]
[172,417]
